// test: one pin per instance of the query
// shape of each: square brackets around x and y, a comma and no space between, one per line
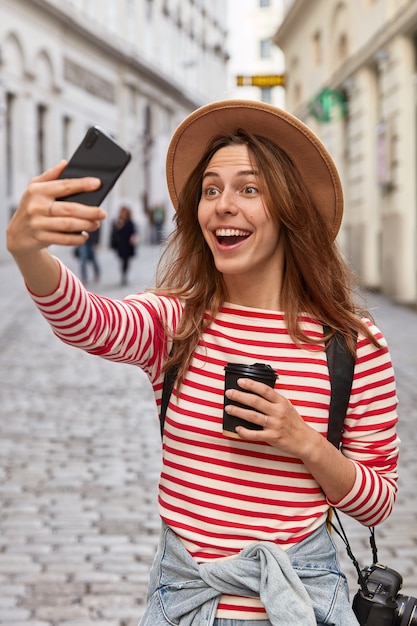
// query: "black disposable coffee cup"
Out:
[258,371]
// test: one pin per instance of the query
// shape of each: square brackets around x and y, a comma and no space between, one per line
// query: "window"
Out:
[149,10]
[66,130]
[10,101]
[342,47]
[298,92]
[41,119]
[148,121]
[266,95]
[265,47]
[316,48]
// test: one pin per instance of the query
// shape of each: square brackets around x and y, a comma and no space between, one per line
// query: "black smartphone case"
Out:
[98,155]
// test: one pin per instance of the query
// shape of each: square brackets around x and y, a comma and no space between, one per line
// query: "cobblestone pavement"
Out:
[79,463]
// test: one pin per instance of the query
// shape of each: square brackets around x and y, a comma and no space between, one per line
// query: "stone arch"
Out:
[43,70]
[13,56]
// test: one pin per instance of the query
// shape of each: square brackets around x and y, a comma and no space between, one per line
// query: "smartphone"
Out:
[98,155]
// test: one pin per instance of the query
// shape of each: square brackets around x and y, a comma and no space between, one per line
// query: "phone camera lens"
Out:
[91,139]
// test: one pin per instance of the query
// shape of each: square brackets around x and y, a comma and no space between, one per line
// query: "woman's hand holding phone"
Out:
[41,220]
[62,205]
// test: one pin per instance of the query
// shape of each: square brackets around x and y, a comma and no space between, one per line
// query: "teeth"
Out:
[231,232]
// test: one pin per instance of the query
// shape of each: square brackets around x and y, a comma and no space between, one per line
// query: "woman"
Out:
[124,240]
[251,274]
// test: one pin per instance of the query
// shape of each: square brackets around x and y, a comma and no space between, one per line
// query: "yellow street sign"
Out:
[261,80]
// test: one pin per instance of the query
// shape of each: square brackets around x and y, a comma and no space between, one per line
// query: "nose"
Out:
[226,202]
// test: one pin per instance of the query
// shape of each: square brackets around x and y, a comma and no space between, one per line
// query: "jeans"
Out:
[87,255]
[173,589]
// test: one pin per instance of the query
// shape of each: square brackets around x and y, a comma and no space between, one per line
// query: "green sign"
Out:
[329,105]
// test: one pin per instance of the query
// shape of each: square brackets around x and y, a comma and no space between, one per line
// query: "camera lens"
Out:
[91,138]
[406,611]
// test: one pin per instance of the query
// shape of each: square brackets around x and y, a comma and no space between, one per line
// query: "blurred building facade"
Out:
[252,25]
[135,67]
[351,76]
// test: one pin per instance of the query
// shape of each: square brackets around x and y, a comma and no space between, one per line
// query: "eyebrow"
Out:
[242,173]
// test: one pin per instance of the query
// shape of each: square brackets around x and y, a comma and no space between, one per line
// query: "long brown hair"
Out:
[316,279]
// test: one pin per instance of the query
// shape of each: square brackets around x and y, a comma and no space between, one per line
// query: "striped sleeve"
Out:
[127,331]
[369,438]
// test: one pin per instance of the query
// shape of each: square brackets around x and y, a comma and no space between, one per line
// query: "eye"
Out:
[210,191]
[250,190]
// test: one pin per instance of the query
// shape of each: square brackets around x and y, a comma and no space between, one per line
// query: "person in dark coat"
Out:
[124,240]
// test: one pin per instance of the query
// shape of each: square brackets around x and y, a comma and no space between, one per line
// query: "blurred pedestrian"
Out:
[87,255]
[158,219]
[124,240]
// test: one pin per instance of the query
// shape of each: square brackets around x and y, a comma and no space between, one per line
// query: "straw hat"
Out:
[311,158]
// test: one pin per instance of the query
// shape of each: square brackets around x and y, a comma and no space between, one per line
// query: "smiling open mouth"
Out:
[231,236]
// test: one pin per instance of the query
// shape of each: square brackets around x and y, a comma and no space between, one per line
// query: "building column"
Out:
[399,214]
[369,220]
[4,212]
[362,220]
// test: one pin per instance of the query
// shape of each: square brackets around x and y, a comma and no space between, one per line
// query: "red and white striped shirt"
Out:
[219,493]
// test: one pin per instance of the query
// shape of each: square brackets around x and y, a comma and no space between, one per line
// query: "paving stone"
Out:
[14,566]
[96,622]
[10,615]
[121,588]
[59,613]
[30,622]
[96,576]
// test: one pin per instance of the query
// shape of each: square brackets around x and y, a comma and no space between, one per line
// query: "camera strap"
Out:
[342,534]
[341,366]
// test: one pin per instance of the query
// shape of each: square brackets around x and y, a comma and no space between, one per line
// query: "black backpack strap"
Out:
[169,382]
[341,365]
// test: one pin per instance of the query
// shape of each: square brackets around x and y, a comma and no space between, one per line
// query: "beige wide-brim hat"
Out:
[311,158]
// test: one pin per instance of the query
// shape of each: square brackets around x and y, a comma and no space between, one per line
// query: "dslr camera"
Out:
[378,602]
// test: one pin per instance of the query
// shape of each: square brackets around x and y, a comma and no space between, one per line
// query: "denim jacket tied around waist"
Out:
[303,586]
